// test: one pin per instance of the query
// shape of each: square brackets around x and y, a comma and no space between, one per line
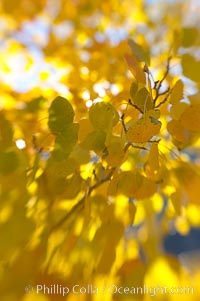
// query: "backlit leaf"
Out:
[135,69]
[142,100]
[143,130]
[190,118]
[132,185]
[138,52]
[177,110]
[189,36]
[177,92]
[65,141]
[191,67]
[178,131]
[115,153]
[153,159]
[94,141]
[133,90]
[61,114]
[103,116]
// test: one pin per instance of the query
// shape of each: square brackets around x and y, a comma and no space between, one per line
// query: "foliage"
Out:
[99,145]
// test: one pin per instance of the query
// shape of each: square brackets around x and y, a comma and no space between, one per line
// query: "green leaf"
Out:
[191,67]
[133,90]
[102,115]
[94,141]
[65,141]
[61,114]
[139,52]
[35,104]
[143,100]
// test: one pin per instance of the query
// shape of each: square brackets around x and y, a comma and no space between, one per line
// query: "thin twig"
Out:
[163,101]
[136,107]
[158,84]
[123,124]
[134,146]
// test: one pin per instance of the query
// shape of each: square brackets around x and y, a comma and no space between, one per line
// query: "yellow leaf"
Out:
[191,67]
[132,185]
[190,118]
[177,110]
[142,100]
[153,159]
[143,130]
[178,132]
[177,92]
[189,36]
[103,116]
[135,69]
[115,153]
[189,178]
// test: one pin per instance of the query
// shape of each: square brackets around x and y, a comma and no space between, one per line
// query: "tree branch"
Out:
[158,84]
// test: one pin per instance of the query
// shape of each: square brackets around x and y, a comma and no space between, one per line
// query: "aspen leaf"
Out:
[190,118]
[146,187]
[176,198]
[189,36]
[138,52]
[65,141]
[72,186]
[135,69]
[132,185]
[143,130]
[123,183]
[177,110]
[194,98]
[80,155]
[180,133]
[85,128]
[61,168]
[90,184]
[155,113]
[191,67]
[177,92]
[143,100]
[153,159]
[103,116]
[189,179]
[94,141]
[133,90]
[115,154]
[61,114]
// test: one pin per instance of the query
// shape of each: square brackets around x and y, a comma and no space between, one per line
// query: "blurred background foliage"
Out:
[78,205]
